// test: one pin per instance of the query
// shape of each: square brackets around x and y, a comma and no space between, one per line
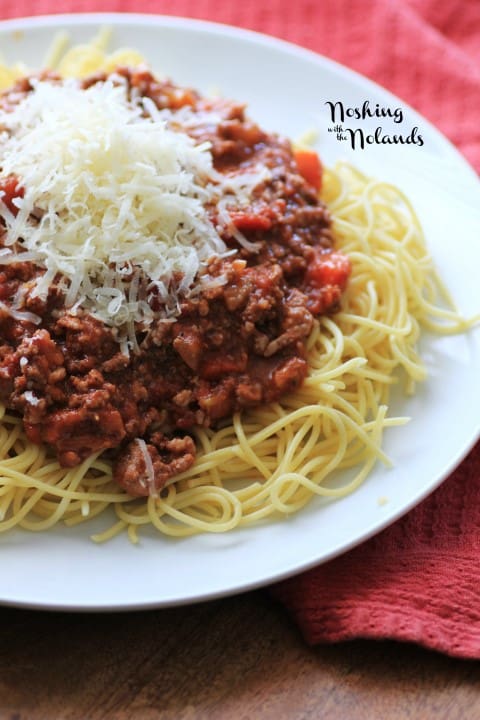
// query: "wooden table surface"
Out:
[239,658]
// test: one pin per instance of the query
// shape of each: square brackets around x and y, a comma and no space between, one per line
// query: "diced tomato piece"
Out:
[219,365]
[179,98]
[217,399]
[309,167]
[265,277]
[79,432]
[328,268]
[11,189]
[250,221]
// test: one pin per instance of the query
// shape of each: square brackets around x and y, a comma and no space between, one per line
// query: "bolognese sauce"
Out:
[235,344]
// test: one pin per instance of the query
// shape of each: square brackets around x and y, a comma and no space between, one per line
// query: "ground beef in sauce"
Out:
[232,347]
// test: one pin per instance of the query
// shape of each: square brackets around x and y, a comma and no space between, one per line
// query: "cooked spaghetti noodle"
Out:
[271,461]
[78,61]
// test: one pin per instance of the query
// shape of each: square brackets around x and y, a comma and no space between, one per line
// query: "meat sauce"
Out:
[233,346]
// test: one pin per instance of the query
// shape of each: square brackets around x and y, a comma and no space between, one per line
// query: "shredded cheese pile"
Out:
[114,200]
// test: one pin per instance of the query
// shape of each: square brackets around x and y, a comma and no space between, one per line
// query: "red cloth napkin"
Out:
[425,51]
[419,579]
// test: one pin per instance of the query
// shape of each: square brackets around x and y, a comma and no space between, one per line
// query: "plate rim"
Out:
[67,20]
[120,18]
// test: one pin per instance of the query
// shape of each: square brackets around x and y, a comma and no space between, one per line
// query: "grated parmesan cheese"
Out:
[114,200]
[30,398]
[148,479]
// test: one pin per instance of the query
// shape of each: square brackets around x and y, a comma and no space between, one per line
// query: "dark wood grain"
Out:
[237,658]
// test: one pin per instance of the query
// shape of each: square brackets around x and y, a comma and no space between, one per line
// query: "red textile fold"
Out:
[425,51]
[419,579]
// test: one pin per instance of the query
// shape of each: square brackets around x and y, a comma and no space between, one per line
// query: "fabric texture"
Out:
[419,579]
[425,51]
[416,581]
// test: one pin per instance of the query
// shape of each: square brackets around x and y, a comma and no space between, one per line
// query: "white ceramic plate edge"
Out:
[59,21]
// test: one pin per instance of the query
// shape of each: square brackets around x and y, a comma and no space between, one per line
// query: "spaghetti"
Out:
[272,460]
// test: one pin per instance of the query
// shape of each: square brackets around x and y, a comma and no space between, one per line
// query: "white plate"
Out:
[286,88]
